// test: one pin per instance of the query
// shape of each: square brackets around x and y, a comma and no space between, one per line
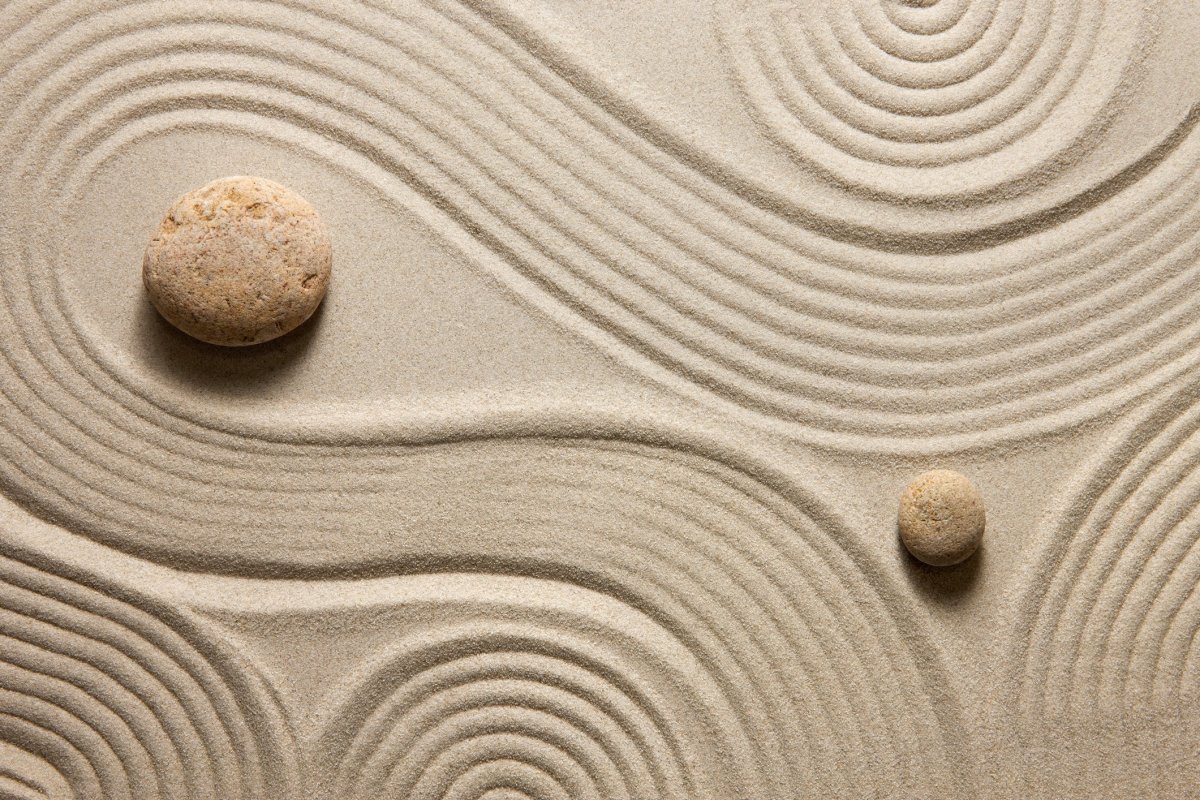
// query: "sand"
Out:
[582,482]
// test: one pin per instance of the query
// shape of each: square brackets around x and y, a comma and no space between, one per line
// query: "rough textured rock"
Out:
[941,518]
[239,261]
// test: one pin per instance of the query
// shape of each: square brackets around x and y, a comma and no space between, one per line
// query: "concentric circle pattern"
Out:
[101,699]
[1107,631]
[945,100]
[543,709]
[537,723]
[716,643]
[799,325]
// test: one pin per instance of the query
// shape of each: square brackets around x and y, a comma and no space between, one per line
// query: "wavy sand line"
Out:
[1114,603]
[118,704]
[829,667]
[1102,648]
[755,373]
[822,656]
[829,674]
[955,227]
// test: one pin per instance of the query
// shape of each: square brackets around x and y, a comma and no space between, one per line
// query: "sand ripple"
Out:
[1104,658]
[100,695]
[991,269]
[799,325]
[1113,603]
[951,100]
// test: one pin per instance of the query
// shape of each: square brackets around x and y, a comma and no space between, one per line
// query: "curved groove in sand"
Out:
[825,655]
[825,329]
[863,226]
[483,696]
[1111,613]
[104,697]
[725,564]
[697,283]
[686,540]
[657,692]
[1010,92]
[24,776]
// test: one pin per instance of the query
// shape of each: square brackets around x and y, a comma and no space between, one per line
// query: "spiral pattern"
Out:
[99,698]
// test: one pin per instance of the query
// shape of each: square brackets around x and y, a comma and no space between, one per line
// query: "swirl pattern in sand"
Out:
[101,697]
[1112,597]
[930,228]
[923,337]
[940,101]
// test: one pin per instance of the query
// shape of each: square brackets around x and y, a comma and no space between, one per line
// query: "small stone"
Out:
[941,518]
[239,261]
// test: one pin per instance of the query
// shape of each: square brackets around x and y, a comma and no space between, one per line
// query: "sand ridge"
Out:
[116,697]
[836,345]
[912,234]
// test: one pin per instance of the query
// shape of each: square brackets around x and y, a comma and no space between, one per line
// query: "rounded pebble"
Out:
[239,261]
[941,518]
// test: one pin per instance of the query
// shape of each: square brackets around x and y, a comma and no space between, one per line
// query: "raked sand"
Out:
[583,480]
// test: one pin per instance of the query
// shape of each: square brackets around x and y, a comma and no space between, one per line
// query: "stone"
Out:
[941,518]
[239,261]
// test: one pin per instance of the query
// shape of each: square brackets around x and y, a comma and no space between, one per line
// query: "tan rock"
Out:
[239,261]
[941,518]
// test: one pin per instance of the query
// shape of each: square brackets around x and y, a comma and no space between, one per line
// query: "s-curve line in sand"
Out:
[859,345]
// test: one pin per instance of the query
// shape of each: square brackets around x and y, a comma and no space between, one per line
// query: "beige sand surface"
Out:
[582,482]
